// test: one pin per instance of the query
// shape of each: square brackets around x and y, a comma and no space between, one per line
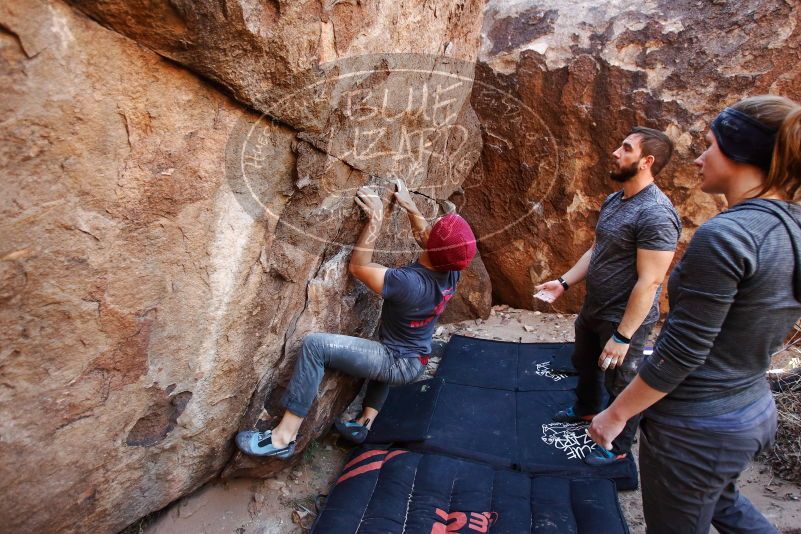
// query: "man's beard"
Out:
[624,174]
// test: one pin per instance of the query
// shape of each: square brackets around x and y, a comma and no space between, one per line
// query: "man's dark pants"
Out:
[591,337]
[689,478]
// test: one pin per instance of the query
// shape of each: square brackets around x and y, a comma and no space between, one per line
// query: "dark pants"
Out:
[689,478]
[351,355]
[591,337]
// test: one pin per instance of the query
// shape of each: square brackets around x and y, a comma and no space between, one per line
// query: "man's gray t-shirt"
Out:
[647,221]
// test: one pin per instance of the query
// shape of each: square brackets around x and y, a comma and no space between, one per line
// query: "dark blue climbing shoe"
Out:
[352,431]
[255,443]
[599,457]
[570,416]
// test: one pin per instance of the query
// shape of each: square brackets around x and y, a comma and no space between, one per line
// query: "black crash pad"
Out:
[504,365]
[493,402]
[385,490]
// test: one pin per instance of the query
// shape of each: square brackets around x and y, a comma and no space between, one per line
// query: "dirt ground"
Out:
[267,506]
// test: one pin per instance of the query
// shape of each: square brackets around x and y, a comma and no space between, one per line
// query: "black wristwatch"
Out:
[564,284]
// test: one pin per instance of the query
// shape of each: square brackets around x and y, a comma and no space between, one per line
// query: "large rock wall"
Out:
[558,86]
[263,51]
[164,249]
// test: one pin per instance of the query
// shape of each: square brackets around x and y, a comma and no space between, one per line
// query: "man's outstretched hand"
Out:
[549,291]
[369,201]
[403,197]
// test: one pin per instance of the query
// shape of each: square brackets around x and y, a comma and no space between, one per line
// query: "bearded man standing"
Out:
[635,240]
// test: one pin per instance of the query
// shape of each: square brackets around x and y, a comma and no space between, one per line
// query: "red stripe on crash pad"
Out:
[372,466]
[394,454]
[364,456]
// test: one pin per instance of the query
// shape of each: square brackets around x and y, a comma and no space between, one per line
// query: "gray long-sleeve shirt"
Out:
[734,297]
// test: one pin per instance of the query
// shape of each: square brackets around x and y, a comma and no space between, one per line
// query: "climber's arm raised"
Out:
[361,262]
[420,226]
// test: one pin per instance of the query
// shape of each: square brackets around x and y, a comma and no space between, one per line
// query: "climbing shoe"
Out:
[599,457]
[352,431]
[255,443]
[570,416]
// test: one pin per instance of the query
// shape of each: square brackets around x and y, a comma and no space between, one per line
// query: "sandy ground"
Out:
[267,506]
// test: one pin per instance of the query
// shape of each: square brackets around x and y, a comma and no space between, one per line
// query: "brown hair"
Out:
[654,143]
[784,115]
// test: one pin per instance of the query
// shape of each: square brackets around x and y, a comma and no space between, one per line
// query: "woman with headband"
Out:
[733,298]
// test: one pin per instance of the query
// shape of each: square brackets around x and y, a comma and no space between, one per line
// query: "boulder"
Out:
[267,53]
[166,245]
[559,85]
[473,298]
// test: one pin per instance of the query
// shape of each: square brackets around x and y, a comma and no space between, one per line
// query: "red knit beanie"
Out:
[451,244]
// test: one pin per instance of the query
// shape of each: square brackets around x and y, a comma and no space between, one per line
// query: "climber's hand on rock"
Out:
[403,197]
[369,201]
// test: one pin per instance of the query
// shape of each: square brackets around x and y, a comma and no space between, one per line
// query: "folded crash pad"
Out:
[394,490]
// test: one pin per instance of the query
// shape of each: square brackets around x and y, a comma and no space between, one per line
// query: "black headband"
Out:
[744,139]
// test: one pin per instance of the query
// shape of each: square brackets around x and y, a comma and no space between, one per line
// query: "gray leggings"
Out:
[351,355]
[689,478]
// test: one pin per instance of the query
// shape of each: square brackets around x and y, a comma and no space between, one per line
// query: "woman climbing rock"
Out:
[414,296]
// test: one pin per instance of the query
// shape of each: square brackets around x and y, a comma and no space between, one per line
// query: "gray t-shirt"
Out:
[414,298]
[647,221]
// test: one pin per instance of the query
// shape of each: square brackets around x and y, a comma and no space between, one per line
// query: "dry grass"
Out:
[789,355]
[785,456]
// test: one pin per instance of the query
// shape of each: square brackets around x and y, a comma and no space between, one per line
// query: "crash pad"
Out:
[395,490]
